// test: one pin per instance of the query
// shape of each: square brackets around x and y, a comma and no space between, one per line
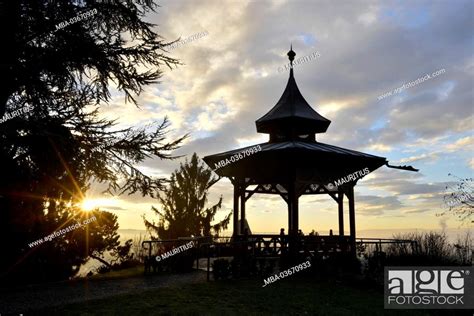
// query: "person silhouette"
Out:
[282,240]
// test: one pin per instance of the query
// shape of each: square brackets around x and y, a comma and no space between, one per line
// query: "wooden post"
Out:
[340,206]
[291,209]
[242,209]
[290,215]
[295,209]
[293,221]
[350,196]
[236,207]
[208,262]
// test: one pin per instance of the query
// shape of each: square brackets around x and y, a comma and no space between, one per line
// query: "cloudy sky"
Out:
[232,76]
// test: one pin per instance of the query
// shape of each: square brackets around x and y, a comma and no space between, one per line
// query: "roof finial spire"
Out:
[291,55]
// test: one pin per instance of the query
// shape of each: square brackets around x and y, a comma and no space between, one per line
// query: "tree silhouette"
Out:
[183,204]
[49,154]
[61,257]
[42,63]
[459,200]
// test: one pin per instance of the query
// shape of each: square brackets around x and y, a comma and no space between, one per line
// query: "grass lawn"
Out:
[124,273]
[294,295]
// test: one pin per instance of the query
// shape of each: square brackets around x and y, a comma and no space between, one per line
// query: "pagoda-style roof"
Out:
[309,162]
[292,115]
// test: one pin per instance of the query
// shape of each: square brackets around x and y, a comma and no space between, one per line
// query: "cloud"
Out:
[230,78]
[465,143]
[376,205]
[417,211]
[405,187]
[431,156]
[114,208]
[380,147]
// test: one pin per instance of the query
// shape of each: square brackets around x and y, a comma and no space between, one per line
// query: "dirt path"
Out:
[27,299]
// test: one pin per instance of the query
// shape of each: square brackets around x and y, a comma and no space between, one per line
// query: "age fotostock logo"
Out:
[429,288]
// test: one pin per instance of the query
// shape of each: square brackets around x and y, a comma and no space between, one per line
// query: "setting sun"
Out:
[89,204]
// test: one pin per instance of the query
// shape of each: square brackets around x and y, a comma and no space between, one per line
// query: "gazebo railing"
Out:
[269,246]
[158,247]
[380,242]
[273,245]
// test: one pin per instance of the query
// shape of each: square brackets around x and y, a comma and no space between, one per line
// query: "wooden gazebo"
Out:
[293,163]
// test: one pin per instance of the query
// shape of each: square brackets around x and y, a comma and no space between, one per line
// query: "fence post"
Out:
[198,249]
[208,261]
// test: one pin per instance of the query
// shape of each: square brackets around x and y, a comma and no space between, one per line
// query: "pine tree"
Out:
[183,211]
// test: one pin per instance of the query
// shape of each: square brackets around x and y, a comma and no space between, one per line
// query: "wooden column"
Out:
[236,207]
[293,209]
[290,215]
[242,209]
[350,196]
[290,209]
[340,206]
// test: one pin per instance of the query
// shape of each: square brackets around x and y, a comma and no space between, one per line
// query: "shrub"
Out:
[428,249]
